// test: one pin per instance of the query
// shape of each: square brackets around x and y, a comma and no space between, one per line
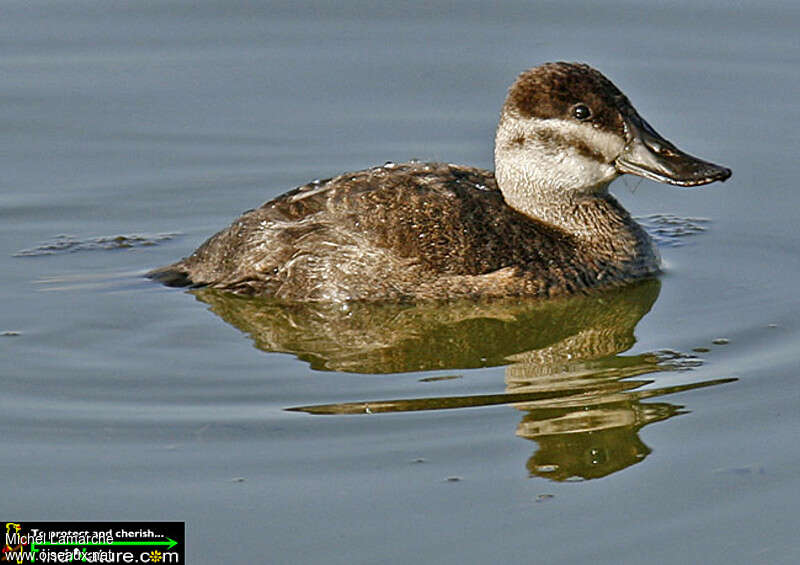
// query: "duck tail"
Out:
[172,275]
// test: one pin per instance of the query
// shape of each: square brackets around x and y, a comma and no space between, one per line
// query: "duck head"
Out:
[565,131]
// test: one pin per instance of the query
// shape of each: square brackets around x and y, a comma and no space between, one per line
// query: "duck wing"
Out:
[380,233]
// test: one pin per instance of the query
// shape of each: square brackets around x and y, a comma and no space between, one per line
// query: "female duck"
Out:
[542,224]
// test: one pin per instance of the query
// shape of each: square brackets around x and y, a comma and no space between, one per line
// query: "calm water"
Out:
[612,429]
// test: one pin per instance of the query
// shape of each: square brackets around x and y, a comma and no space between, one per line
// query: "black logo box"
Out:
[124,536]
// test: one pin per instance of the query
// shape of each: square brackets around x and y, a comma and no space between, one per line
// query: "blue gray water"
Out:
[609,430]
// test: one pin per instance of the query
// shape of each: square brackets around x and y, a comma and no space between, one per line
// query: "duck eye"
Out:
[581,112]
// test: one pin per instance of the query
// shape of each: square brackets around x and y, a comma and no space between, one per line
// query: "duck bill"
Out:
[649,155]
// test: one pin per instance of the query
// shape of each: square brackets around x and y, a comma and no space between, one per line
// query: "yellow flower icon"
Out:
[155,556]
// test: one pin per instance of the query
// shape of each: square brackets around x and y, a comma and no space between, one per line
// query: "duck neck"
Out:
[601,226]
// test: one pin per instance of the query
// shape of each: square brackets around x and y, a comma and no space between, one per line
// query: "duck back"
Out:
[404,231]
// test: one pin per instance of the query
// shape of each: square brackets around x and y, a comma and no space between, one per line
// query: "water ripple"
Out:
[71,244]
[669,230]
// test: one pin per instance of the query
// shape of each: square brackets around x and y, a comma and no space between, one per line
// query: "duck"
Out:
[542,224]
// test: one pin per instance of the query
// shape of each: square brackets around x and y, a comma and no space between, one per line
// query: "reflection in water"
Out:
[394,338]
[579,399]
[594,432]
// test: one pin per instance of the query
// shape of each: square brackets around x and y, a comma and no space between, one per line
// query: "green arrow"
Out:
[170,543]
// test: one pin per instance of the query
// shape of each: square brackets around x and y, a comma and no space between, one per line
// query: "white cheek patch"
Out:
[556,153]
[605,143]
[555,135]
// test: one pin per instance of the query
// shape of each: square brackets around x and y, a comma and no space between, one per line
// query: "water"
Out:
[611,430]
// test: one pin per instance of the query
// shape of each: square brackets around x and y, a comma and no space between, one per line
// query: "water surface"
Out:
[655,424]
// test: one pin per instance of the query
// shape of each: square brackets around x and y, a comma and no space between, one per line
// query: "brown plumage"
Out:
[416,231]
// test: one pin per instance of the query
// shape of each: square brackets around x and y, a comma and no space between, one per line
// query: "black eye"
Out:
[581,112]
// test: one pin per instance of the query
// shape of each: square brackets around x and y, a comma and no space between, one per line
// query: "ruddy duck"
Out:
[542,224]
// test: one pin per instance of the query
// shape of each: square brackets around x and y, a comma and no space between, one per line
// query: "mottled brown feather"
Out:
[407,231]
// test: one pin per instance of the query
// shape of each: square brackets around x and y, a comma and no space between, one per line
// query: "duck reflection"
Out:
[591,430]
[580,401]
